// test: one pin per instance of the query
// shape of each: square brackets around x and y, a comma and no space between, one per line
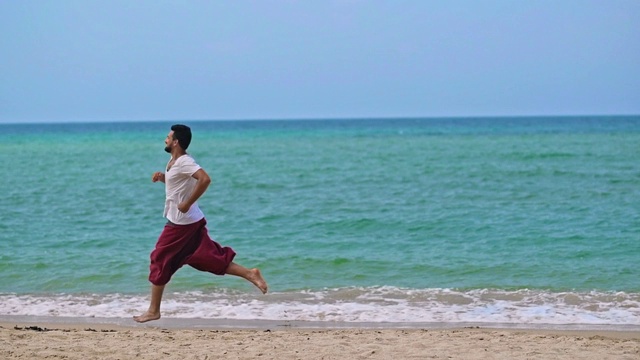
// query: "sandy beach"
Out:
[20,339]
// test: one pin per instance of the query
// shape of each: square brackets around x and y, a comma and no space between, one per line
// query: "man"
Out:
[185,240]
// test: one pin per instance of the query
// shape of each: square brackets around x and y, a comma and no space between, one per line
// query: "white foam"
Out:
[382,304]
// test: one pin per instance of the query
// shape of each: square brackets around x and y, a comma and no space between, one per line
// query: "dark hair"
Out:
[182,133]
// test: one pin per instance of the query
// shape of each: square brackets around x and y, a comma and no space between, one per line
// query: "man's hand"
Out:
[184,207]
[157,176]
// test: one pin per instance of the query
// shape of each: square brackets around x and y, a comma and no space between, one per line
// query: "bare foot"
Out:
[256,279]
[147,317]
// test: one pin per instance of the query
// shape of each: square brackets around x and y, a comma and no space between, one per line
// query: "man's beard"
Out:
[167,149]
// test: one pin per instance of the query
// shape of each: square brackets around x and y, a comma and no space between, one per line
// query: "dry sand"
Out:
[86,340]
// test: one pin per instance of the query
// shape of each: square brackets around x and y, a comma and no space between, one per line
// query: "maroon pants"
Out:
[191,245]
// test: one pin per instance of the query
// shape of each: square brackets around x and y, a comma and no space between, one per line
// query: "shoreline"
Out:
[256,324]
[57,322]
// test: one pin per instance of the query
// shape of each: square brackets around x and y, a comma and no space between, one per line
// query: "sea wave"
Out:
[354,304]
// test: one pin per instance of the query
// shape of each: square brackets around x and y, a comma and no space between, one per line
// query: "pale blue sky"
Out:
[165,60]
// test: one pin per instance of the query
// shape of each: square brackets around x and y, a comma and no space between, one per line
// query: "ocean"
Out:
[523,220]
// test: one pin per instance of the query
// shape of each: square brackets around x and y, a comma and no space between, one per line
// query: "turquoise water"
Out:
[377,215]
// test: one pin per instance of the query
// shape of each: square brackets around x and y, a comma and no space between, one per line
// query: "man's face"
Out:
[169,142]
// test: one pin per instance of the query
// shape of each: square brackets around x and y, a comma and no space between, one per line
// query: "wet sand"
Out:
[89,338]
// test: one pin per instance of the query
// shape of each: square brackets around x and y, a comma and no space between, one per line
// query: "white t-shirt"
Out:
[179,185]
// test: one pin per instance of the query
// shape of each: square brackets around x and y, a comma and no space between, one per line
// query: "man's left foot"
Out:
[256,279]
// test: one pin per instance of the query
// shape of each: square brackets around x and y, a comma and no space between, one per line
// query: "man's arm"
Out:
[201,186]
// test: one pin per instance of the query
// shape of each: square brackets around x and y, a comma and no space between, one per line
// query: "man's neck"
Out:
[176,153]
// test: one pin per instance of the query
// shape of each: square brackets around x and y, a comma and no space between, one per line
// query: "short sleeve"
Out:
[189,166]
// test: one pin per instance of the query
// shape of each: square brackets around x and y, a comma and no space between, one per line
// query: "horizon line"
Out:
[357,118]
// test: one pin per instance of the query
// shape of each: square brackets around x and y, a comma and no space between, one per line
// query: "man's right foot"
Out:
[147,317]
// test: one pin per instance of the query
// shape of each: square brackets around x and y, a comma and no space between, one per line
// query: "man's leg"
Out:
[154,307]
[252,275]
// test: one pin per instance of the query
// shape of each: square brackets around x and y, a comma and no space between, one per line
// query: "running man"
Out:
[185,239]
